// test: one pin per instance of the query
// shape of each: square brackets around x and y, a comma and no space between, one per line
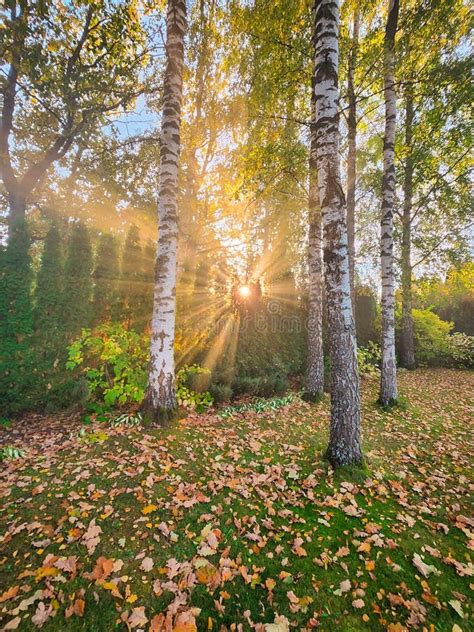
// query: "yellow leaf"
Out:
[46,571]
[149,509]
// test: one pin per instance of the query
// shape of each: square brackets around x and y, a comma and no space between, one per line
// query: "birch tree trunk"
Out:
[344,441]
[407,346]
[160,399]
[315,368]
[388,378]
[352,152]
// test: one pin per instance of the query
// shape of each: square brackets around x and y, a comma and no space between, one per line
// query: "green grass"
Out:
[260,481]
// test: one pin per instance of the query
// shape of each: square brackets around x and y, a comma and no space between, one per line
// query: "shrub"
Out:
[113,360]
[431,337]
[198,400]
[461,350]
[221,392]
[368,359]
[263,386]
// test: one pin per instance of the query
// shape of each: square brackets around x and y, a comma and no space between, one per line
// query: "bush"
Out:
[263,386]
[461,350]
[198,400]
[221,393]
[368,359]
[114,360]
[431,337]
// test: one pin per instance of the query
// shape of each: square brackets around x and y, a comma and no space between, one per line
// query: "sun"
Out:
[244,291]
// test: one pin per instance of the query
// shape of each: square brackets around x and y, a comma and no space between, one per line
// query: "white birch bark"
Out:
[344,441]
[352,151]
[315,362]
[388,378]
[160,399]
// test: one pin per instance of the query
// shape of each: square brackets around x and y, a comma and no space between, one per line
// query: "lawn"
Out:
[239,523]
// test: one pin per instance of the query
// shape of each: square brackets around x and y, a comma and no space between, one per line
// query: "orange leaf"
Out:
[9,594]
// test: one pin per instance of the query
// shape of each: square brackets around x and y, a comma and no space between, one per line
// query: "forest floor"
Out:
[239,524]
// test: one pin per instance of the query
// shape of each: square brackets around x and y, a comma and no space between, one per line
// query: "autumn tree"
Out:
[67,67]
[352,147]
[344,441]
[434,146]
[315,359]
[160,398]
[388,376]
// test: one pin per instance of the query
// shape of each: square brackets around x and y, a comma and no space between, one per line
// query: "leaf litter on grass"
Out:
[238,524]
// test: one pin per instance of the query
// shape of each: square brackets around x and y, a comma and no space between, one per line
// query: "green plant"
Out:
[87,436]
[431,337]
[113,360]
[368,359]
[461,350]
[11,452]
[5,423]
[221,392]
[128,420]
[187,397]
[258,406]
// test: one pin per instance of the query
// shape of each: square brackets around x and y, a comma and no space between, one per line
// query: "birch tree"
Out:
[352,149]
[315,362]
[160,399]
[407,346]
[388,377]
[344,441]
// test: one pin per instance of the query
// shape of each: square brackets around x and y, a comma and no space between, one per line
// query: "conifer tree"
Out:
[106,274]
[145,304]
[48,304]
[76,298]
[15,317]
[130,285]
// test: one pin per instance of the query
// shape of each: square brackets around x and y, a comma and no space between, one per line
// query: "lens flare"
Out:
[244,291]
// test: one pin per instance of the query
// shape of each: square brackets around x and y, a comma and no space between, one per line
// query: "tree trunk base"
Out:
[157,415]
[313,398]
[340,458]
[387,404]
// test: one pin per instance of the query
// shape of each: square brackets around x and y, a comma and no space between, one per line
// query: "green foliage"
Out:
[220,392]
[257,406]
[76,303]
[16,320]
[461,350]
[188,398]
[106,273]
[91,437]
[368,359]
[10,452]
[452,299]
[136,281]
[48,289]
[113,360]
[127,420]
[431,337]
